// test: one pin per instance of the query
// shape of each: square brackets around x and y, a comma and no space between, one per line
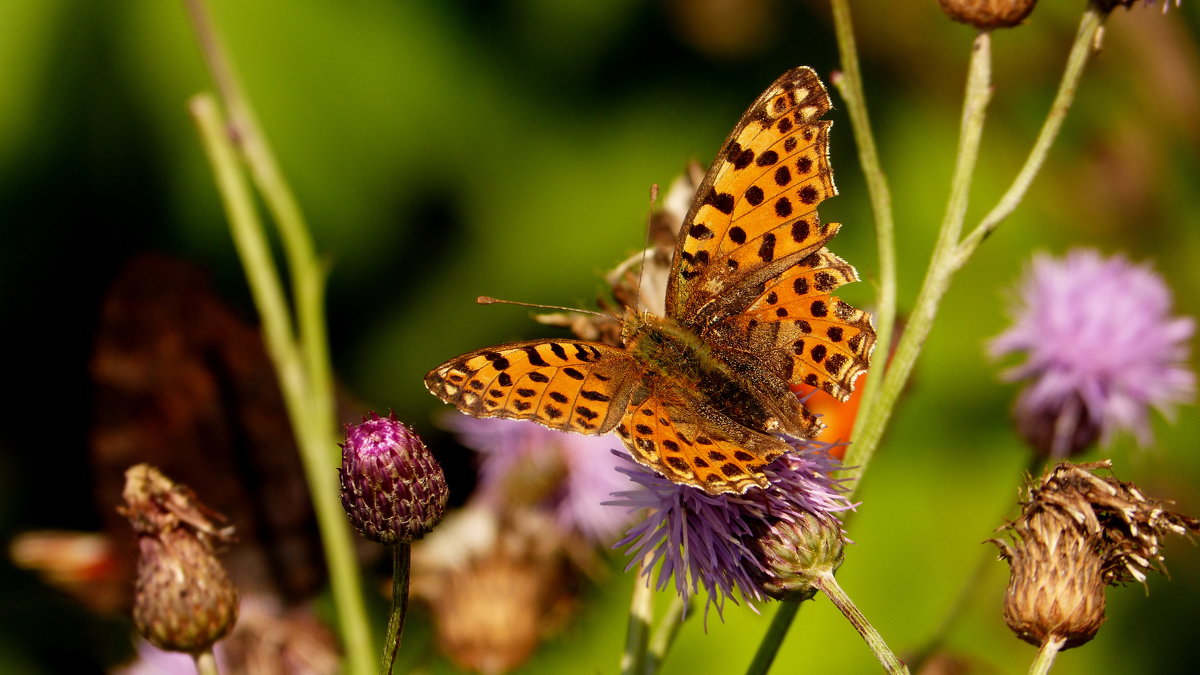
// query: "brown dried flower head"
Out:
[183,599]
[1077,533]
[988,14]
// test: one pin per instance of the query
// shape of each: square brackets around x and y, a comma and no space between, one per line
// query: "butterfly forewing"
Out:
[755,213]
[563,384]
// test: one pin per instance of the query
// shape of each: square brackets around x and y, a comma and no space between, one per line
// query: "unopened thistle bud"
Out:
[796,552]
[1076,534]
[183,600]
[392,488]
[988,14]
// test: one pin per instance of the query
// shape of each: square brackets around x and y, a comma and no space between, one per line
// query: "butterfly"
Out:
[701,395]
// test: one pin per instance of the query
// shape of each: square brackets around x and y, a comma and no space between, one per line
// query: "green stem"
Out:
[769,647]
[1081,49]
[829,586]
[206,663]
[849,85]
[664,635]
[401,556]
[254,252]
[1046,655]
[641,612]
[940,272]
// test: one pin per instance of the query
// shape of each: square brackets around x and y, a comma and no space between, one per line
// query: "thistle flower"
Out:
[710,541]
[392,487]
[183,599]
[988,14]
[1102,348]
[567,475]
[795,553]
[1077,533]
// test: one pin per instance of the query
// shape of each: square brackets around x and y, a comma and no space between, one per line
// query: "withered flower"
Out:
[1077,533]
[988,14]
[183,600]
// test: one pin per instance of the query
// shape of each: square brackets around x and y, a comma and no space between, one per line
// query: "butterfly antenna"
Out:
[647,249]
[488,300]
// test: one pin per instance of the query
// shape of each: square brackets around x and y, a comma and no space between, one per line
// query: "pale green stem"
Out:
[664,635]
[940,272]
[1081,49]
[829,586]
[773,638]
[401,558]
[1046,655]
[849,85]
[641,612]
[206,663]
[311,434]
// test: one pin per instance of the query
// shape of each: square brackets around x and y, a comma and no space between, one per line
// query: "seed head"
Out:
[988,14]
[183,599]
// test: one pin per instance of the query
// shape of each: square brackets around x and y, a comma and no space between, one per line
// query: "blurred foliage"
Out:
[444,150]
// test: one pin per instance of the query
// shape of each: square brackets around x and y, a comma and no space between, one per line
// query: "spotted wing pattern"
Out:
[684,442]
[828,341]
[754,215]
[568,385]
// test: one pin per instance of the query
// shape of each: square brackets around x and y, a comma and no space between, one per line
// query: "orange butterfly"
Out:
[702,394]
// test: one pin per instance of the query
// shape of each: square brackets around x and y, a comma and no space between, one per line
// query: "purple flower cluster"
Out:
[1101,349]
[569,474]
[707,541]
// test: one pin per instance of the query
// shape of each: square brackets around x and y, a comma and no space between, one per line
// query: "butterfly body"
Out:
[702,395]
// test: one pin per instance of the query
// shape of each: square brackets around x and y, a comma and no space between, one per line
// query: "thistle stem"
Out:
[664,635]
[769,647]
[303,365]
[940,271]
[401,557]
[641,611]
[849,85]
[1046,655]
[829,586]
[206,663]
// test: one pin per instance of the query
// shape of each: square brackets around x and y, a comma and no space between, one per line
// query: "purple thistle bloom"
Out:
[707,540]
[1101,347]
[569,474]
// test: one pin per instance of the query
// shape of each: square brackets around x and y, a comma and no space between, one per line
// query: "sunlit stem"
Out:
[206,663]
[849,85]
[302,365]
[664,634]
[941,266]
[1046,655]
[829,586]
[641,611]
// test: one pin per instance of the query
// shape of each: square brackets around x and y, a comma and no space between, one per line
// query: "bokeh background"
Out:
[444,150]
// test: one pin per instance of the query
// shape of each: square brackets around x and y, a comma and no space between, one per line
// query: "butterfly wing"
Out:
[751,272]
[568,385]
[806,334]
[689,442]
[754,215]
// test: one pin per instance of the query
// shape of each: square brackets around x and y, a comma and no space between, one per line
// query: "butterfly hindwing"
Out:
[568,385]
[689,443]
[828,342]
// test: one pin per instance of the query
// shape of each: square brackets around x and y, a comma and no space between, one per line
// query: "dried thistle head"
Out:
[988,14]
[183,599]
[1078,533]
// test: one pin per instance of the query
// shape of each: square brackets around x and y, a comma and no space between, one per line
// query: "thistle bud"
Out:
[183,599]
[794,553]
[988,14]
[392,488]
[1077,533]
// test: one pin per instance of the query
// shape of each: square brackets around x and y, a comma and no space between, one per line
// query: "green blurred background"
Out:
[444,150]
